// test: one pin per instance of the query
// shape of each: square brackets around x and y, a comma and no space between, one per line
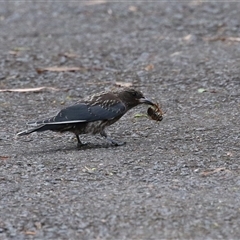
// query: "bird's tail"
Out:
[49,124]
[36,129]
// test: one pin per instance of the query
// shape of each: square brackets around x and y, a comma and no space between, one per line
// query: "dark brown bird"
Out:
[91,115]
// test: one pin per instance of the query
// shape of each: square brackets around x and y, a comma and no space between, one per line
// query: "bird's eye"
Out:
[134,94]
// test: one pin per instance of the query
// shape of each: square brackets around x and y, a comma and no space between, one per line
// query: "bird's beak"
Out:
[146,101]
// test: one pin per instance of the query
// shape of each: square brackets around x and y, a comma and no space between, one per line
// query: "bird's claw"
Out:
[119,144]
[81,145]
[115,143]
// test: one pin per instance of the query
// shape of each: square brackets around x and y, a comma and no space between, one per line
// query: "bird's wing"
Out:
[84,112]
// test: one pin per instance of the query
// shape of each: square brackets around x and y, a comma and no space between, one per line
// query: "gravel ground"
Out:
[177,179]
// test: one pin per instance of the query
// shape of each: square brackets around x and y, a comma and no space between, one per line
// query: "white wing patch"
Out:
[66,122]
[55,123]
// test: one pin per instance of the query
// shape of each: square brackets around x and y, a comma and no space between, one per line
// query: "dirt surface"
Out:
[177,179]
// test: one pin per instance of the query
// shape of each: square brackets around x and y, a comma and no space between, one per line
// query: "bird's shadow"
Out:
[65,149]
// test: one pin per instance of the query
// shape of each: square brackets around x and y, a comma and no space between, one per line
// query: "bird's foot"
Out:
[115,143]
[81,145]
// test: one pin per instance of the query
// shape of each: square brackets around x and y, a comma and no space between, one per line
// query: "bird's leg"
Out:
[79,144]
[113,142]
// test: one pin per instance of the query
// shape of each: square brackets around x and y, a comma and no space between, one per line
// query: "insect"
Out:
[155,112]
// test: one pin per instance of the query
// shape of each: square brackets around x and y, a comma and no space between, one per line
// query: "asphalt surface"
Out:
[177,179]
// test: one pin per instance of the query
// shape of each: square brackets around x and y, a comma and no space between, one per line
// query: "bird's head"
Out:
[132,97]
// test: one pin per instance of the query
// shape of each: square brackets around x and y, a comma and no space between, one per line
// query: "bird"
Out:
[91,115]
